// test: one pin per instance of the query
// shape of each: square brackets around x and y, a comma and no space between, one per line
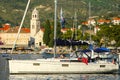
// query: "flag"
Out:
[62,19]
[91,47]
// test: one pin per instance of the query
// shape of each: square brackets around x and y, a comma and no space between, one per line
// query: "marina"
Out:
[40,53]
[61,65]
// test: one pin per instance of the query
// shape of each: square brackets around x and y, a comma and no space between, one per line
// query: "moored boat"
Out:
[59,66]
[80,63]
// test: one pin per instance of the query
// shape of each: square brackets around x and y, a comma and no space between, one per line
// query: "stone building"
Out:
[36,32]
[28,36]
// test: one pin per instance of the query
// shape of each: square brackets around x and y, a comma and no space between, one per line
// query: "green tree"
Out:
[67,35]
[58,31]
[109,33]
[115,34]
[46,36]
[104,34]
[51,42]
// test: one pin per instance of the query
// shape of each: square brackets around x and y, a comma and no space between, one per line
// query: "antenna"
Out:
[20,25]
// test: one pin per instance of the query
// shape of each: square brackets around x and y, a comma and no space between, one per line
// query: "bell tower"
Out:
[34,26]
[35,23]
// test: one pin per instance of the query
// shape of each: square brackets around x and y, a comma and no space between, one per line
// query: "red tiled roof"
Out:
[5,27]
[27,30]
[103,20]
[116,18]
[1,29]
[84,23]
[15,30]
[107,21]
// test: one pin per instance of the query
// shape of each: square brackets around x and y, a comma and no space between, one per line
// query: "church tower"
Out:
[34,26]
[35,23]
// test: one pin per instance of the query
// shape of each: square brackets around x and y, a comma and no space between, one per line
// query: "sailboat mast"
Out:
[90,20]
[20,25]
[75,20]
[55,24]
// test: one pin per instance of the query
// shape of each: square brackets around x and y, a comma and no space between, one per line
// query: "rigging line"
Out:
[20,25]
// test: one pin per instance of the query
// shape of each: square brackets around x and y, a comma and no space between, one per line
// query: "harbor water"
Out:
[66,77]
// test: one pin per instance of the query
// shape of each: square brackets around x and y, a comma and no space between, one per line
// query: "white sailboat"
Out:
[61,65]
[81,64]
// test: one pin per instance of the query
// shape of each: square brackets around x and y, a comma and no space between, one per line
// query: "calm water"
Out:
[66,77]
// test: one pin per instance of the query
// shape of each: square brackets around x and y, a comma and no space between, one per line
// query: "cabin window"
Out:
[65,65]
[36,64]
[102,66]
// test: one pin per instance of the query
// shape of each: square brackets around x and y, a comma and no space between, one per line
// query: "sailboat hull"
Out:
[55,66]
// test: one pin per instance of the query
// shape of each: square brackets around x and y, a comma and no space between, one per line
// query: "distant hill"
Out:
[11,11]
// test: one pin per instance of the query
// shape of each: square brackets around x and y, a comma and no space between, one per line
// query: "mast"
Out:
[55,24]
[90,46]
[20,25]
[73,31]
[75,21]
[76,28]
[90,20]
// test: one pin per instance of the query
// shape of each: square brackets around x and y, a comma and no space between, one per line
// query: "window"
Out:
[39,43]
[35,16]
[65,65]
[102,66]
[33,26]
[36,64]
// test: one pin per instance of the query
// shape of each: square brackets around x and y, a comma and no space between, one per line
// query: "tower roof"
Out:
[35,14]
[35,11]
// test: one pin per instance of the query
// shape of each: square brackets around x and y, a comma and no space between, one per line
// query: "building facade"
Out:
[31,37]
[36,32]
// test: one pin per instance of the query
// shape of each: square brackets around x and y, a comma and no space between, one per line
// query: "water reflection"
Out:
[66,77]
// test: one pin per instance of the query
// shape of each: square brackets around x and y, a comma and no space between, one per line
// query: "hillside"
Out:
[11,11]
